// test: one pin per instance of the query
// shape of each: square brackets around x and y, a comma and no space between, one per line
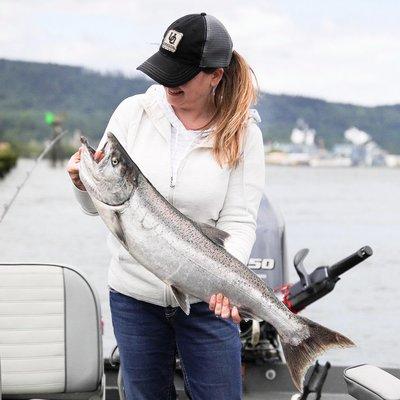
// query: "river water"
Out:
[333,212]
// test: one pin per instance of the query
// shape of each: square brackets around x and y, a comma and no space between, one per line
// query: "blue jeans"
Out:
[148,337]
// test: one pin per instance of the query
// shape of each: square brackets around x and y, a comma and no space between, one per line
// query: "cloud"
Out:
[318,53]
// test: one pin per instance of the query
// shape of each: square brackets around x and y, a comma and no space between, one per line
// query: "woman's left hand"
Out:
[221,307]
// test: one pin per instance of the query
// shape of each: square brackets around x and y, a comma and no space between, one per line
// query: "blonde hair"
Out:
[233,96]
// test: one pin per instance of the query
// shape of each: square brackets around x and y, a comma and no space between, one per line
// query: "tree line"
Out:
[87,98]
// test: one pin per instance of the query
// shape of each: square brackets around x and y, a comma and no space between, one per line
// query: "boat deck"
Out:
[258,387]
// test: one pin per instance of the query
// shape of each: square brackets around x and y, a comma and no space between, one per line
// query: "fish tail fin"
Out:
[301,356]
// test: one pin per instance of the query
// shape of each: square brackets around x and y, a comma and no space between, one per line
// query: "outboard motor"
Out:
[268,260]
[268,257]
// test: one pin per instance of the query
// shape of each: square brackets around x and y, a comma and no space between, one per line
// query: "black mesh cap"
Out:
[191,43]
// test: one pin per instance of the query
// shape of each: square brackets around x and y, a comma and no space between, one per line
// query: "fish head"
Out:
[111,179]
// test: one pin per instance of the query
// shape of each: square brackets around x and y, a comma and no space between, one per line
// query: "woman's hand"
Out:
[221,307]
[73,169]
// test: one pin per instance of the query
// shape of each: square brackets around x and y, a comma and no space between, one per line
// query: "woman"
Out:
[194,138]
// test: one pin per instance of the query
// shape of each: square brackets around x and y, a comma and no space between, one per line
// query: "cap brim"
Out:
[167,71]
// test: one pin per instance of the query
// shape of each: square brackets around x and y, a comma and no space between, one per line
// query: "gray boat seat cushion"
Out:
[50,330]
[367,382]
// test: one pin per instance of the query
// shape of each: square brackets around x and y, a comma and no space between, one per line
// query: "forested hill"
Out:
[88,98]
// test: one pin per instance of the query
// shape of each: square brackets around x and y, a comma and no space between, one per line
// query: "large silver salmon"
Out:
[189,256]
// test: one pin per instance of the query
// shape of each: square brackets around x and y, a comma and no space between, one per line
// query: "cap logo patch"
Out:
[171,40]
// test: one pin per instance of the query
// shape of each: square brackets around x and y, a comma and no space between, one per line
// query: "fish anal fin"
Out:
[182,299]
[216,235]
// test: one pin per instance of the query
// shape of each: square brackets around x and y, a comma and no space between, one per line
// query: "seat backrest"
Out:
[50,330]
[367,382]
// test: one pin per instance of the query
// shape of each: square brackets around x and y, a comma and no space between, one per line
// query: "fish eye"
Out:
[114,161]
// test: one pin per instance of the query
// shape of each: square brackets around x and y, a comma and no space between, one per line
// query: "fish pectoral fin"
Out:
[118,230]
[214,234]
[182,299]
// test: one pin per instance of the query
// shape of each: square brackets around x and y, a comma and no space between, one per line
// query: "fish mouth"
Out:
[85,142]
[96,156]
[89,168]
[106,184]
[112,142]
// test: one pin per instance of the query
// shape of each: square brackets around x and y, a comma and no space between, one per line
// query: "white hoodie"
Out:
[227,198]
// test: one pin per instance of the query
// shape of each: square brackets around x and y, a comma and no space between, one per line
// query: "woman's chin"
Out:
[175,100]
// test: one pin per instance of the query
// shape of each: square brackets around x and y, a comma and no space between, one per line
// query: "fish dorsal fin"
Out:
[182,299]
[216,235]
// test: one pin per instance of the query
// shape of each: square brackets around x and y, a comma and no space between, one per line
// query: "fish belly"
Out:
[160,248]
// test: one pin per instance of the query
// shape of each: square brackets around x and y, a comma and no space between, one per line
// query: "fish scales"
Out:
[228,274]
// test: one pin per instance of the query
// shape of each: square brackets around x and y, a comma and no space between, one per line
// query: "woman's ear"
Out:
[217,76]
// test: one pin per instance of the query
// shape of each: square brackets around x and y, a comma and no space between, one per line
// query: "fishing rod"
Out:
[6,207]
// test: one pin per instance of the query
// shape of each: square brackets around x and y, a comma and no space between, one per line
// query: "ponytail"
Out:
[233,96]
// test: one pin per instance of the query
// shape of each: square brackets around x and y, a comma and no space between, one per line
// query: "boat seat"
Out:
[367,382]
[50,334]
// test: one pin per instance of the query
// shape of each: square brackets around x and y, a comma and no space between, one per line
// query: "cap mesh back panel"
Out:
[218,47]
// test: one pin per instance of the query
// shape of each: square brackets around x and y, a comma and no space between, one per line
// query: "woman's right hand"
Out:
[73,169]
[222,308]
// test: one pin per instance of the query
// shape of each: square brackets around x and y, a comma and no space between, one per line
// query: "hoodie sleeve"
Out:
[84,201]
[118,125]
[238,215]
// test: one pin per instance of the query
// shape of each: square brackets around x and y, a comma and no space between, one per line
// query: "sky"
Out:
[338,50]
